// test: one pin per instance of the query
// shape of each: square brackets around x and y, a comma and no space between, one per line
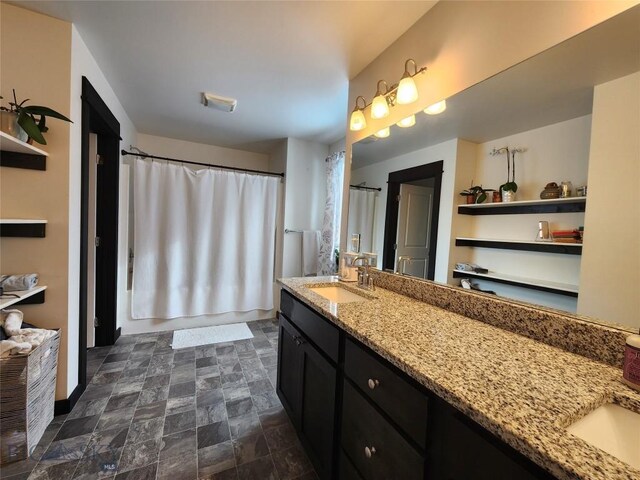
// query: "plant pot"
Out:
[471,199]
[497,197]
[9,125]
[508,196]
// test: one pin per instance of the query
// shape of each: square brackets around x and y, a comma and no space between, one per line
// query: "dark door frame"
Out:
[98,119]
[430,170]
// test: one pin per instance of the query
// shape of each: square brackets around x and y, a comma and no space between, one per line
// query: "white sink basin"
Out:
[613,429]
[337,294]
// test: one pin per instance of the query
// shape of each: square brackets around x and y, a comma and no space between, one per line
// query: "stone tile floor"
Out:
[150,412]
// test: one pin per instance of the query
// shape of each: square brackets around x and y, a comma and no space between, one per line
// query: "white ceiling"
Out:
[287,63]
[551,87]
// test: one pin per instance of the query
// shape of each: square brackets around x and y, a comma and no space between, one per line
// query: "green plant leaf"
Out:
[29,126]
[42,124]
[40,110]
[481,198]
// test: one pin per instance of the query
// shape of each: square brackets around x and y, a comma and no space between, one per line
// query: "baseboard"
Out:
[62,407]
[117,335]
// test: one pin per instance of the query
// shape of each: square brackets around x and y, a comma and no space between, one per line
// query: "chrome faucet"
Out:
[364,279]
[402,261]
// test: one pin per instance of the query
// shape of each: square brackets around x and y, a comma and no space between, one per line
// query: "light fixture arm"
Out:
[380,92]
[416,70]
[364,101]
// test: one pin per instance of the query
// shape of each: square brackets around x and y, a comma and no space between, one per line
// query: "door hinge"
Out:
[97,241]
[398,198]
[96,322]
[395,246]
[99,159]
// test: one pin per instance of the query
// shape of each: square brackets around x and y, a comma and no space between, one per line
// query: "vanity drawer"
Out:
[347,470]
[373,445]
[320,331]
[404,403]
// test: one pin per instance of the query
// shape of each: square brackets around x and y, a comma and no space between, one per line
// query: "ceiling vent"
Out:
[221,103]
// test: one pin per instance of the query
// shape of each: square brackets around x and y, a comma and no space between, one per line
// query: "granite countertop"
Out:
[523,391]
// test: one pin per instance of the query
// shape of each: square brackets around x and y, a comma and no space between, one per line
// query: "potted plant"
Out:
[19,120]
[475,193]
[510,187]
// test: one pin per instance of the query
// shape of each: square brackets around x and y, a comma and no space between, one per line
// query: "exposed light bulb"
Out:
[379,107]
[384,133]
[407,122]
[358,122]
[407,91]
[436,108]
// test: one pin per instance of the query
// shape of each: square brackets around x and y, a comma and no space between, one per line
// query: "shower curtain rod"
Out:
[237,169]
[377,189]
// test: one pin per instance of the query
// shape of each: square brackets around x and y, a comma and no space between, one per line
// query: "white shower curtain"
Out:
[361,214]
[204,241]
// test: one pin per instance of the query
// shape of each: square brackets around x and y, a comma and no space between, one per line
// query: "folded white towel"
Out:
[310,252]
[13,283]
[25,341]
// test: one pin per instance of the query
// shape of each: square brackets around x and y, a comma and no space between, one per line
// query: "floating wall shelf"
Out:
[533,284]
[556,205]
[25,297]
[547,247]
[18,154]
[20,227]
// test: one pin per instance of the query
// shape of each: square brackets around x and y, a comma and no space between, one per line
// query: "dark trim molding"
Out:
[98,119]
[117,334]
[29,161]
[62,407]
[430,170]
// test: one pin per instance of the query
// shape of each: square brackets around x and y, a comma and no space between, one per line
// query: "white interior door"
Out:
[414,228]
[91,248]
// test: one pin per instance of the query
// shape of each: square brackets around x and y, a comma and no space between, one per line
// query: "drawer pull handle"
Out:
[369,451]
[373,383]
[299,341]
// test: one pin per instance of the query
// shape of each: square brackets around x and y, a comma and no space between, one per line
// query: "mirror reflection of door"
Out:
[414,226]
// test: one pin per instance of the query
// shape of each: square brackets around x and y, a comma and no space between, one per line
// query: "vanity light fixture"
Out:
[404,92]
[380,104]
[407,90]
[407,122]
[436,108]
[358,122]
[384,133]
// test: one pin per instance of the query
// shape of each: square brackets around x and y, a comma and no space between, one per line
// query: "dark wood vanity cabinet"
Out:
[306,383]
[361,418]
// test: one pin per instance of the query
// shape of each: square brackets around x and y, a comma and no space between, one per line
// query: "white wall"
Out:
[553,153]
[611,253]
[203,153]
[376,175]
[83,64]
[305,187]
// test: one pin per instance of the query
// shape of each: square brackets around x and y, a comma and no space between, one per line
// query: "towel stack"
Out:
[14,283]
[20,340]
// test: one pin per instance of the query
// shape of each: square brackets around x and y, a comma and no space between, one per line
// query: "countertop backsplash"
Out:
[568,332]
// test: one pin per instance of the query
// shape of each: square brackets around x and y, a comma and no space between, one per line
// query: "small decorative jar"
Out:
[9,125]
[566,189]
[551,190]
[497,198]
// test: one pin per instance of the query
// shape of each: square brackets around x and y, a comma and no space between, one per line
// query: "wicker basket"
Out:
[27,396]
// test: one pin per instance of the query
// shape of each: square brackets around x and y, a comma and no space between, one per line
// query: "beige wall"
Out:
[35,53]
[463,43]
[611,253]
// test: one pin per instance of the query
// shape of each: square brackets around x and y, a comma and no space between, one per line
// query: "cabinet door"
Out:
[464,450]
[317,421]
[289,386]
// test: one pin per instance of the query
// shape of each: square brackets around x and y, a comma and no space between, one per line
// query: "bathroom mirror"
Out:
[564,110]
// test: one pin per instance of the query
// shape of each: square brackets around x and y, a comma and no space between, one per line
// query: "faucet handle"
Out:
[371,284]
